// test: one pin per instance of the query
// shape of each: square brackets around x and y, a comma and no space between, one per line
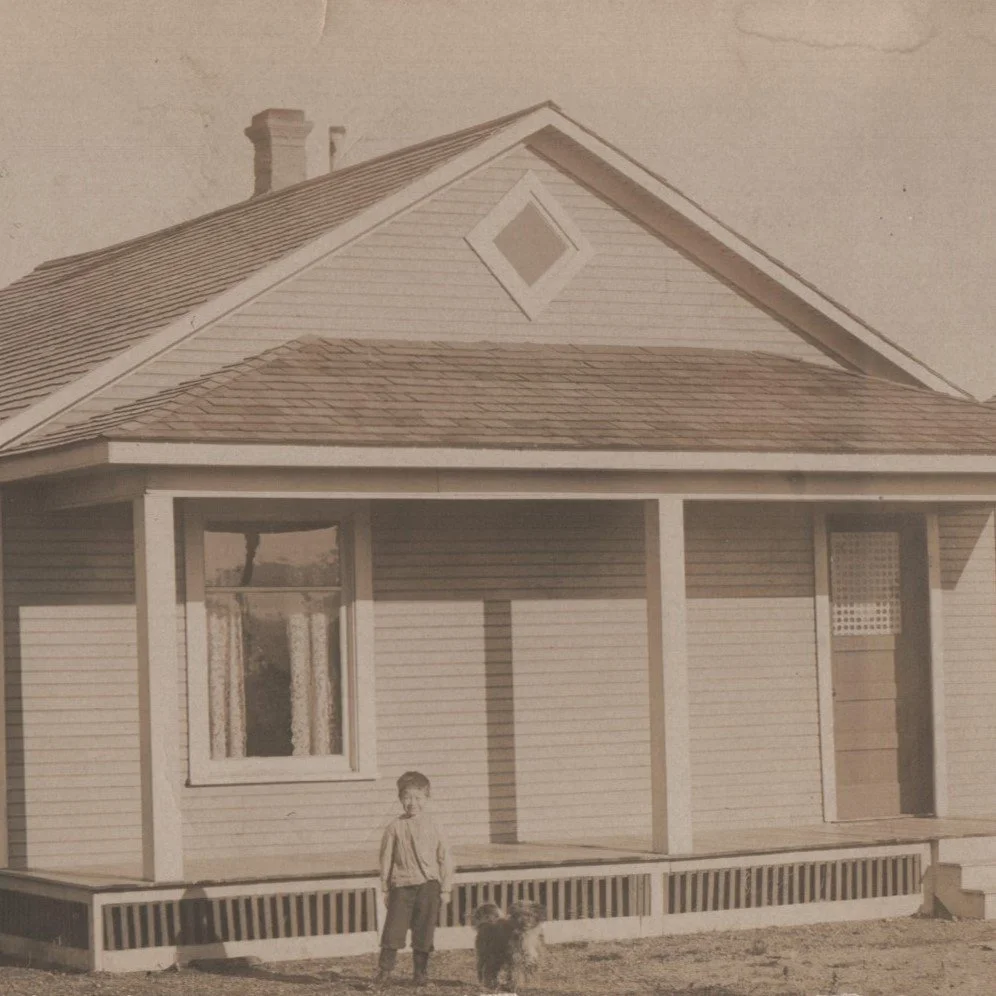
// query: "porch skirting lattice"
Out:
[203,921]
[758,886]
[132,927]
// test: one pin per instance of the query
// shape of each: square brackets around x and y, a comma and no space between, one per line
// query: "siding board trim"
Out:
[361,637]
[824,672]
[4,848]
[155,589]
[936,613]
[670,738]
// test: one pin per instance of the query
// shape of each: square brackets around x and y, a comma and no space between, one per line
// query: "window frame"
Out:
[358,760]
[531,298]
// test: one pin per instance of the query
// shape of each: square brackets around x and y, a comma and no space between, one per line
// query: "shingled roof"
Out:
[563,397]
[72,314]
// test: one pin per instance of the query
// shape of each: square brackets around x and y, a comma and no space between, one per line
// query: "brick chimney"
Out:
[278,135]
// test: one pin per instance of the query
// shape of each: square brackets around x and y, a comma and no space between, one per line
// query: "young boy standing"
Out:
[416,874]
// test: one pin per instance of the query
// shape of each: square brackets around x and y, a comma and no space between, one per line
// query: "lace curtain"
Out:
[226,678]
[311,689]
[313,727]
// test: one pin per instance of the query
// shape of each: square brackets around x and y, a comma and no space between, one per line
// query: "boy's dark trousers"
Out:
[415,906]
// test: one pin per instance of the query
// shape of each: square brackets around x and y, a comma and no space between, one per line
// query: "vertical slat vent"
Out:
[61,922]
[577,898]
[708,890]
[214,920]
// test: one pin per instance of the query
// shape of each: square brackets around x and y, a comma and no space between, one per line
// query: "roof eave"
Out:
[107,453]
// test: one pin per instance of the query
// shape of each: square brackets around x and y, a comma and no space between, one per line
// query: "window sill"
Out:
[266,774]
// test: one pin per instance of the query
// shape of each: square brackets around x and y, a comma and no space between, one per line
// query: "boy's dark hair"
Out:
[413,780]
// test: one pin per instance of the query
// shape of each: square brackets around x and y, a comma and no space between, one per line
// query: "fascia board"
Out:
[47,463]
[282,455]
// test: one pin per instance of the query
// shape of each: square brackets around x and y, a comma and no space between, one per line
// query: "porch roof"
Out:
[545,397]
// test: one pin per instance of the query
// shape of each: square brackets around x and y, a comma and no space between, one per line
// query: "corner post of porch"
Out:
[670,751]
[4,830]
[938,696]
[155,600]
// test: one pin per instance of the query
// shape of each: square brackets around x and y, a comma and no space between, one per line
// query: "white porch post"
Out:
[937,693]
[4,832]
[155,598]
[824,664]
[670,753]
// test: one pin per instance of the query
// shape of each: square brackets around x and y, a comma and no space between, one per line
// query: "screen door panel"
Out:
[880,662]
[866,619]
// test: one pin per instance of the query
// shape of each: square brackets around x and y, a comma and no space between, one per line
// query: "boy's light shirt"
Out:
[414,850]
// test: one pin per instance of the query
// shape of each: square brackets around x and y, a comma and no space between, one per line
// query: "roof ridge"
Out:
[75,263]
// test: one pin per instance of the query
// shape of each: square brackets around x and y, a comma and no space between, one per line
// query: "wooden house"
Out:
[498,458]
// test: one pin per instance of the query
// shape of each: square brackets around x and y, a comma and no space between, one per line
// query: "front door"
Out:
[880,653]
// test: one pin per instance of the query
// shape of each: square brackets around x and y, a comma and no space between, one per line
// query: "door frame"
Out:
[824,672]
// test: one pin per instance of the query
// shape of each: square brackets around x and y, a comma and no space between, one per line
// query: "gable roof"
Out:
[414,394]
[75,325]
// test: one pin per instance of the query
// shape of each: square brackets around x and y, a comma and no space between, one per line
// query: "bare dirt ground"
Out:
[910,957]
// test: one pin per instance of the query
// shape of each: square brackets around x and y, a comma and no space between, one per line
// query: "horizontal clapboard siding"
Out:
[510,654]
[968,578]
[537,612]
[752,666]
[417,278]
[73,789]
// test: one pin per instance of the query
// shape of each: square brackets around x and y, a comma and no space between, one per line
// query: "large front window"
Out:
[273,683]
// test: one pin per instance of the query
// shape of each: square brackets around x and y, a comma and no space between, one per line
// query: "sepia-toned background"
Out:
[852,139]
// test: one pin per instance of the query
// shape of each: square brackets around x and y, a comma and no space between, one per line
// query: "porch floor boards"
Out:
[605,850]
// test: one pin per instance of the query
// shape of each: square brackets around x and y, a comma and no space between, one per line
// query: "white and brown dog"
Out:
[508,946]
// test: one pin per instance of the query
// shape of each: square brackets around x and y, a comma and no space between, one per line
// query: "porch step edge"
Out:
[961,899]
[977,876]
[967,850]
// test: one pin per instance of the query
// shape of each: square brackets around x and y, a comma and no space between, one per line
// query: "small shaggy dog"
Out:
[507,944]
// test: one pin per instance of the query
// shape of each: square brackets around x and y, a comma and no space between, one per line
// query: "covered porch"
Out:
[665,636]
[664,639]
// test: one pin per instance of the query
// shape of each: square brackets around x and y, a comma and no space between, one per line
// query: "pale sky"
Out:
[854,140]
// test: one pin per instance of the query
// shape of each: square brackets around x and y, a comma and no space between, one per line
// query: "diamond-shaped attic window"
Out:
[530,244]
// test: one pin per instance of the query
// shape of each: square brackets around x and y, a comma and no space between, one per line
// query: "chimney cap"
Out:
[285,122]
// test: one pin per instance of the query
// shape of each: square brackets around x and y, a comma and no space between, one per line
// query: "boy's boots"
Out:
[421,967]
[385,965]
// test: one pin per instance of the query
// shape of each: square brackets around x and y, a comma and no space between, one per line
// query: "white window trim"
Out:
[532,299]
[359,760]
